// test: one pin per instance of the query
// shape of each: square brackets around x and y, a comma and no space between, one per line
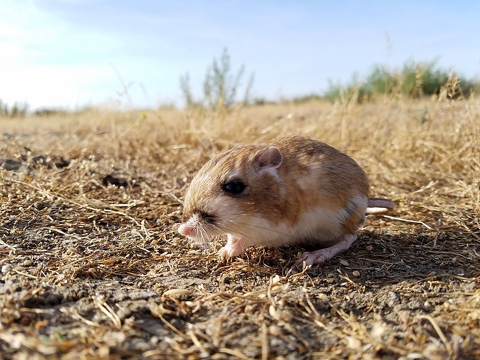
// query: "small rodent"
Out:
[293,191]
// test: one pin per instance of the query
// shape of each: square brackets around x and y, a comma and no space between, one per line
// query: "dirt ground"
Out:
[92,265]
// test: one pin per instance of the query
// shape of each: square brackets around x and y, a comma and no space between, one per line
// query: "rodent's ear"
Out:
[269,156]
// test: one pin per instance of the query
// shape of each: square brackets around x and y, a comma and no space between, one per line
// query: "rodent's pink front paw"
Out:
[229,251]
[224,253]
[234,247]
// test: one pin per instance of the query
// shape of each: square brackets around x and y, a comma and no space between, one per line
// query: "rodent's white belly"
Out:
[319,225]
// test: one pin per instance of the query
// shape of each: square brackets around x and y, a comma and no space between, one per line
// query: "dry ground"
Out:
[92,266]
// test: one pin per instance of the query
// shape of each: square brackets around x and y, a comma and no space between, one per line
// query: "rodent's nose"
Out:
[185,229]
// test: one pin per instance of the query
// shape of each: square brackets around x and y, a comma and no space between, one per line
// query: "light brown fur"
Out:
[313,165]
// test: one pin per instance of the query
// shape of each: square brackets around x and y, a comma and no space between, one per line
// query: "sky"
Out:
[75,53]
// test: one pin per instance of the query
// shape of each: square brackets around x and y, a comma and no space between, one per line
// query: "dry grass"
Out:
[94,270]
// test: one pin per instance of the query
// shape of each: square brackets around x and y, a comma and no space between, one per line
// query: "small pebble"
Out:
[356,273]
[11,164]
[6,268]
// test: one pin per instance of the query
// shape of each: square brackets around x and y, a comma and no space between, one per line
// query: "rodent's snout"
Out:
[185,230]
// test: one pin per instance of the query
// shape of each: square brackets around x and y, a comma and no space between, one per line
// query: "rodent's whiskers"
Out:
[231,227]
[205,232]
[253,226]
[231,231]
[203,236]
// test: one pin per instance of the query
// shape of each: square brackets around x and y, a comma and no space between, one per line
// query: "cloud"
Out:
[45,63]
[45,86]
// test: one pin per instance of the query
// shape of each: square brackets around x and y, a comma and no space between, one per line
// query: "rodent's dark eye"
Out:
[234,187]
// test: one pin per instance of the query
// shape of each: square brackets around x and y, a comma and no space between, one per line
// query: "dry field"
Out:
[92,266]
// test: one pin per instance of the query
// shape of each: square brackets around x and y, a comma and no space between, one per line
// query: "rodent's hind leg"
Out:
[234,247]
[322,255]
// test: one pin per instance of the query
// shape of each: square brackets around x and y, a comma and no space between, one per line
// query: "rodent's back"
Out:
[316,173]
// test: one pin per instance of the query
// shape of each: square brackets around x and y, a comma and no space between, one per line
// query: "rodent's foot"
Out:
[320,256]
[310,258]
[229,251]
[234,247]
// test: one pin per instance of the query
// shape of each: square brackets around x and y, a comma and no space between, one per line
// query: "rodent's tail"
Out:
[378,205]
